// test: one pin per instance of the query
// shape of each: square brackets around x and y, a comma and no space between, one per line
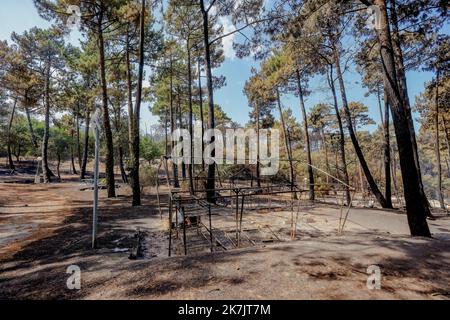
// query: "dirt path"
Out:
[31,212]
[332,268]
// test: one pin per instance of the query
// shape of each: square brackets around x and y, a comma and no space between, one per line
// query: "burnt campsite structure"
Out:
[245,211]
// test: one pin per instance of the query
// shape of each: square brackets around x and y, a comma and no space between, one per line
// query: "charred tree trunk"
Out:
[181,126]
[172,126]
[11,119]
[341,133]
[286,141]
[438,145]
[202,120]
[370,180]
[118,128]
[190,167]
[394,175]
[77,124]
[135,156]
[85,146]
[415,207]
[387,154]
[129,93]
[305,128]
[210,185]
[447,140]
[380,109]
[46,170]
[403,92]
[72,153]
[106,124]
[72,161]
[166,137]
[58,165]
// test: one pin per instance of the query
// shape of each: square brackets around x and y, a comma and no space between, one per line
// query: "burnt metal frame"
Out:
[176,201]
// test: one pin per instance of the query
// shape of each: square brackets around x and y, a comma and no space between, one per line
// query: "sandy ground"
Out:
[46,228]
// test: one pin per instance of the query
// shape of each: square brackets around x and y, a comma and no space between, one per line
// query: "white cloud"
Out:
[213,10]
[228,41]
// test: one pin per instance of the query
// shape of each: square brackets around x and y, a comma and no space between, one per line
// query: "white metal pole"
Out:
[96,120]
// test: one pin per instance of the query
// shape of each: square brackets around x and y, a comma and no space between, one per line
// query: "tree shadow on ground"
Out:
[38,270]
[68,241]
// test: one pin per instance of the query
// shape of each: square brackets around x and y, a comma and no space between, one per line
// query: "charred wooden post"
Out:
[210,227]
[184,230]
[240,220]
[170,227]
[237,214]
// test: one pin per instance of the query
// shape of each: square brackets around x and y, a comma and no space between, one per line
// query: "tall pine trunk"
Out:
[210,184]
[341,134]
[438,145]
[58,165]
[72,153]
[305,128]
[118,128]
[134,174]
[46,169]
[129,93]
[176,183]
[370,180]
[72,160]
[180,126]
[106,124]
[85,145]
[415,207]
[394,174]
[286,140]
[129,90]
[387,154]
[202,119]
[166,134]
[11,119]
[190,167]
[77,124]
[403,91]
[380,109]
[447,139]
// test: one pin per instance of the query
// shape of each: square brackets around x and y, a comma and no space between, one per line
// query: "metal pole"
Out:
[240,220]
[184,231]
[177,210]
[210,227]
[170,227]
[96,120]
[157,194]
[237,216]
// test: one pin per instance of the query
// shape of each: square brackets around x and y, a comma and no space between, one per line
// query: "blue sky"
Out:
[20,15]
